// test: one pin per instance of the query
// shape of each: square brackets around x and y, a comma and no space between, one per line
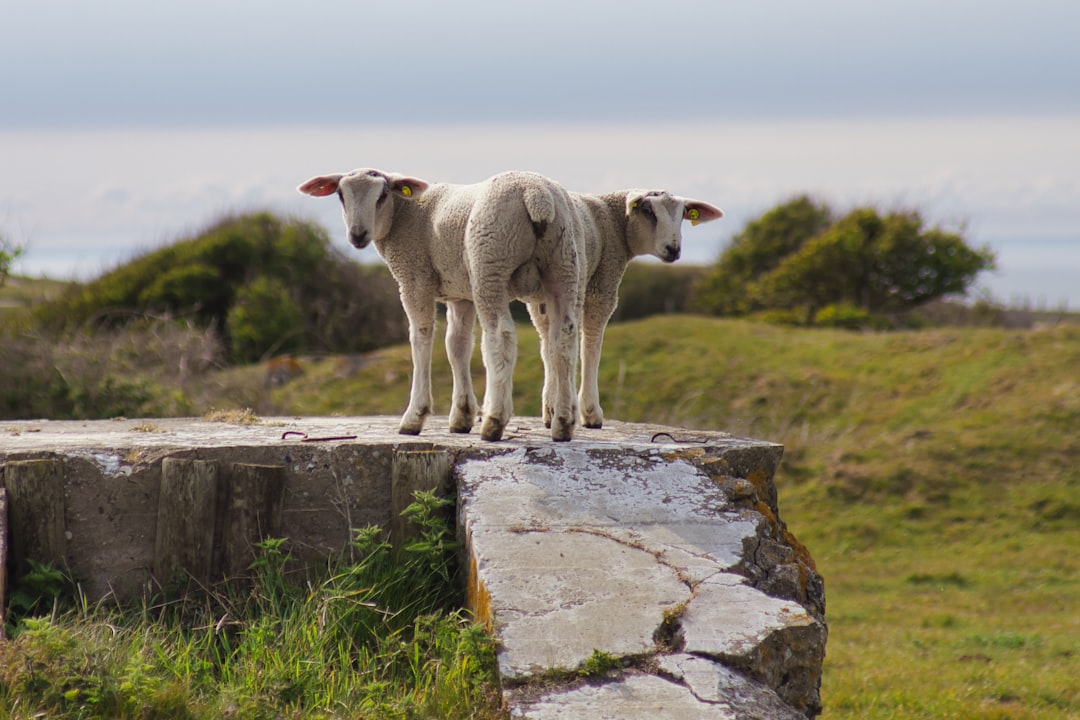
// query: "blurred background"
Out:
[125,125]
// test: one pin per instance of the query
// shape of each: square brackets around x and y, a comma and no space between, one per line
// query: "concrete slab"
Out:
[637,695]
[685,688]
[639,555]
[714,684]
[773,640]
[729,619]
[560,595]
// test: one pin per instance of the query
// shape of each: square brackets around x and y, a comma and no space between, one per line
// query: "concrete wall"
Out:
[674,537]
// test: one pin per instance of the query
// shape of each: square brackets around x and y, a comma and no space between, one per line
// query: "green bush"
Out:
[326,302]
[187,287]
[797,256]
[843,315]
[263,319]
[781,317]
[650,288]
[727,289]
[9,253]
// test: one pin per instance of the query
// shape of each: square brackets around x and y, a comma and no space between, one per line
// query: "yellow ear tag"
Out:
[406,190]
[634,206]
[693,214]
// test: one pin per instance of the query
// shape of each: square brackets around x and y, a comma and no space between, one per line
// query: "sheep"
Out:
[474,247]
[618,227]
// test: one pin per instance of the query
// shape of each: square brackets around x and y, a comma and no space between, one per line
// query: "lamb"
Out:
[618,227]
[475,247]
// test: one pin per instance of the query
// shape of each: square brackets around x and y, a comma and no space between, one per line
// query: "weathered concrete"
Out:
[661,548]
[678,687]
[643,553]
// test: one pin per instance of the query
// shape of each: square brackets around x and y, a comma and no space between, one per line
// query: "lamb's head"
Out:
[654,221]
[367,199]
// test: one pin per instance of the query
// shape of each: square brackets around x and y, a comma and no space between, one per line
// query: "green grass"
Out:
[377,637]
[934,475]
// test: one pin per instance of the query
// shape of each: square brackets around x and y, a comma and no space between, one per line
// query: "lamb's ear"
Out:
[407,186]
[698,212]
[633,200]
[322,185]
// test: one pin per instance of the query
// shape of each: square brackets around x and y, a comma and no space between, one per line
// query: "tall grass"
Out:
[378,636]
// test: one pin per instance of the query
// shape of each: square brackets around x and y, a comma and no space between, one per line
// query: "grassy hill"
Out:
[19,292]
[934,476]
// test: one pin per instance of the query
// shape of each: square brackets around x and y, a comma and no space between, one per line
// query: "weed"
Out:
[243,416]
[600,664]
[41,588]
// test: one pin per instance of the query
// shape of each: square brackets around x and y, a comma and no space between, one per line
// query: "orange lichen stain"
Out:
[759,480]
[477,599]
[685,454]
[765,511]
[802,553]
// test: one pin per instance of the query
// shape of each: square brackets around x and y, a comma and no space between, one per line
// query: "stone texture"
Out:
[683,687]
[775,641]
[635,696]
[714,684]
[561,594]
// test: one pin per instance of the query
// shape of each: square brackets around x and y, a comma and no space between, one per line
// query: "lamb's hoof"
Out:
[592,418]
[492,429]
[562,431]
[408,430]
[461,429]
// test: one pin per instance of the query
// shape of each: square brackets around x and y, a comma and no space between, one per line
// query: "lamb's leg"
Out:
[560,352]
[597,312]
[540,319]
[420,309]
[499,348]
[460,320]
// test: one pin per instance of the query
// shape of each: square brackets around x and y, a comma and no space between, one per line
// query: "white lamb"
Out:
[617,227]
[475,247]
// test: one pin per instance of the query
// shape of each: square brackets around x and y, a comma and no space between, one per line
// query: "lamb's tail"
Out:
[540,205]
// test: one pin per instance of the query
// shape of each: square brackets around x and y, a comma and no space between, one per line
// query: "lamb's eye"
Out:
[647,210]
[341,197]
[382,198]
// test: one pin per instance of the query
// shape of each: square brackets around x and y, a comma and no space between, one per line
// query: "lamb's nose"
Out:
[359,239]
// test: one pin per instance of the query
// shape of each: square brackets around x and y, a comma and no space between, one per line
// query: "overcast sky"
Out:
[124,124]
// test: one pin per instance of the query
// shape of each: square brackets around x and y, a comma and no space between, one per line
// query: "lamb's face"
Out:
[654,224]
[366,205]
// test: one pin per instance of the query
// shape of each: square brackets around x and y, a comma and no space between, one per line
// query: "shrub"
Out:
[797,256]
[263,319]
[758,249]
[9,252]
[650,288]
[324,301]
[843,315]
